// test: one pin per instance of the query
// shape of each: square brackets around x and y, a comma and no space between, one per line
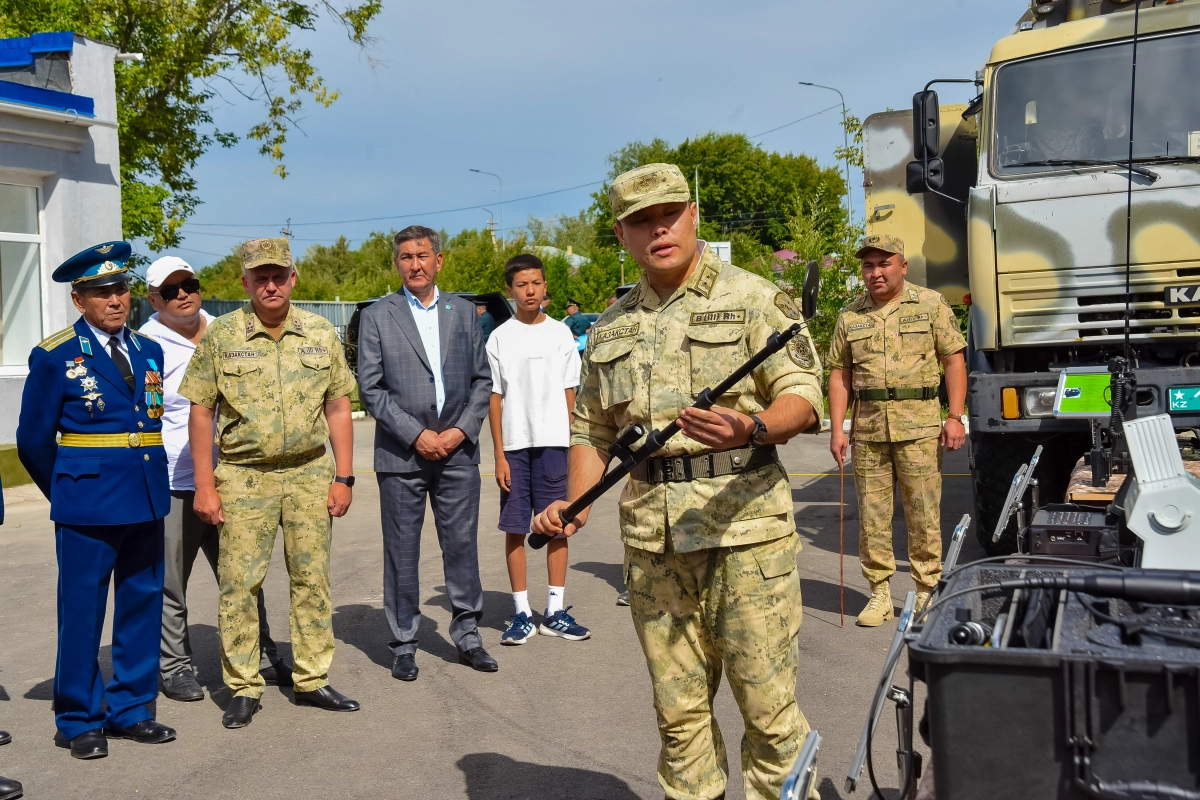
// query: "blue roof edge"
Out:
[19,51]
[47,99]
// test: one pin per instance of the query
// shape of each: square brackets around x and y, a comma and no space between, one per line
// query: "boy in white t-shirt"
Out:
[535,369]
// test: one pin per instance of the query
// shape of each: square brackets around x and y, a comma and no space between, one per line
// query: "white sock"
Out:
[554,600]
[521,599]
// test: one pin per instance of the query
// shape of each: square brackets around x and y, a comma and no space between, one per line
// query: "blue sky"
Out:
[540,92]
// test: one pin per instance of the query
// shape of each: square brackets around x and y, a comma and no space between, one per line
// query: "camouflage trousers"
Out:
[736,608]
[917,466]
[256,501]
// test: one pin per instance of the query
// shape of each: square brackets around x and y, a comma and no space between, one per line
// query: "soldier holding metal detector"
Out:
[710,541]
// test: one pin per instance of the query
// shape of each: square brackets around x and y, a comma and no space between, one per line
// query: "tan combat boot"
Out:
[879,607]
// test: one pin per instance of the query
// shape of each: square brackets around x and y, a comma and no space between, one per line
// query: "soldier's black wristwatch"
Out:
[758,437]
[349,480]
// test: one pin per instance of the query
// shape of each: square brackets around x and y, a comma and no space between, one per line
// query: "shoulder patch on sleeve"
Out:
[55,339]
[800,352]
[787,305]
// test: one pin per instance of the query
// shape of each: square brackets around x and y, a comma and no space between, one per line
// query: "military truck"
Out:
[1015,205]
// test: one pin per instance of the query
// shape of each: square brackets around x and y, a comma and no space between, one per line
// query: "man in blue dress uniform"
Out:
[99,385]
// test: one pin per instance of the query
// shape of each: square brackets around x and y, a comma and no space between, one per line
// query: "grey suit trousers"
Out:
[453,492]
[186,535]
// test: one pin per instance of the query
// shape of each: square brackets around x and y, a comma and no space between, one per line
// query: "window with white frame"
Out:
[20,274]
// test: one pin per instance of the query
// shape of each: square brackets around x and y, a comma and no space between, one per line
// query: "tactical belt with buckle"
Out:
[709,465]
[111,440]
[892,393]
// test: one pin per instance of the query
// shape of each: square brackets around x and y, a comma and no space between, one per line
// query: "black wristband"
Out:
[348,480]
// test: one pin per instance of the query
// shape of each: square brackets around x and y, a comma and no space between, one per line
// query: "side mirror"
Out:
[808,294]
[921,176]
[926,125]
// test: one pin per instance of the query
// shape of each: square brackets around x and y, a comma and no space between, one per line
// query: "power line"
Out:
[793,122]
[393,216]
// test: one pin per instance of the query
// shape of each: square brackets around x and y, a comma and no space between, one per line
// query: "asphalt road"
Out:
[559,720]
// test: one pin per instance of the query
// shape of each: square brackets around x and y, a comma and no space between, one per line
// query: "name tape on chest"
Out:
[609,334]
[314,351]
[859,326]
[240,354]
[914,318]
[732,317]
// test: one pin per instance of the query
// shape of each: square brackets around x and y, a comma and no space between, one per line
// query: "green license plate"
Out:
[1185,398]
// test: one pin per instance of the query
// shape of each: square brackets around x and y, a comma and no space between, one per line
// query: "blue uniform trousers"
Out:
[88,557]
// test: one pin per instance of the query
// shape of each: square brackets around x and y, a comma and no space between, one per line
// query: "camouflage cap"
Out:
[264,252]
[881,241]
[647,186]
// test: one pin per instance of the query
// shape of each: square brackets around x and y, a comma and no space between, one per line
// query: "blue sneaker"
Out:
[520,628]
[564,625]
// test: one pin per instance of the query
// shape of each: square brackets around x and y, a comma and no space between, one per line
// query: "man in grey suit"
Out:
[423,375]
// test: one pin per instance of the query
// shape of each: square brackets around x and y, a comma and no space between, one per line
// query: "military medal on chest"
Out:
[154,391]
[91,398]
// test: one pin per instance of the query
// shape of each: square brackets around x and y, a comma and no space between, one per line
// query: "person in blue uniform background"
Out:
[9,788]
[100,385]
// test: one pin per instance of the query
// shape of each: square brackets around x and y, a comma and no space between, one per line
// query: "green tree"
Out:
[163,103]
[743,188]
[816,234]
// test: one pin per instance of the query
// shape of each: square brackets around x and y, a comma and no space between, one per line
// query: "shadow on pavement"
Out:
[491,776]
[4,695]
[365,627]
[497,607]
[823,596]
[612,574]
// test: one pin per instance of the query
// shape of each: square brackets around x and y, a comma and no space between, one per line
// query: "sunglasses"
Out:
[169,291]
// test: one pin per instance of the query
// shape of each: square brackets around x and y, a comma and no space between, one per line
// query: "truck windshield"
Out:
[1075,106]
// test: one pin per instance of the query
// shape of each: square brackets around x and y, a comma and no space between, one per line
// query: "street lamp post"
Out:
[497,177]
[845,144]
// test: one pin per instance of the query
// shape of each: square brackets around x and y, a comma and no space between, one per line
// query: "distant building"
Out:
[59,192]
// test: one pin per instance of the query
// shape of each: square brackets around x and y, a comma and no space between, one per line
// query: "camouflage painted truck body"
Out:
[1039,251]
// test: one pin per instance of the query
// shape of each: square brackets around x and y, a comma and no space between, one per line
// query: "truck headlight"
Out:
[1039,401]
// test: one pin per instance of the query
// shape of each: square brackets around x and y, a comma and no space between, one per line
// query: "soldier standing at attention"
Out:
[710,541]
[277,381]
[99,385]
[885,351]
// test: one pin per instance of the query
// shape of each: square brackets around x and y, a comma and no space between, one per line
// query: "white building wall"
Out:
[76,168]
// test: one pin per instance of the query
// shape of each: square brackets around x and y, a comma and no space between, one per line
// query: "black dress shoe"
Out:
[89,744]
[9,788]
[148,731]
[5,737]
[478,659]
[278,674]
[404,667]
[240,711]
[327,698]
[182,686]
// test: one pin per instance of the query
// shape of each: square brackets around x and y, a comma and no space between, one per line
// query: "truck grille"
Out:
[1089,304]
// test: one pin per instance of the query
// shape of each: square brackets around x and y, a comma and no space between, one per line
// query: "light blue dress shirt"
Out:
[427,327]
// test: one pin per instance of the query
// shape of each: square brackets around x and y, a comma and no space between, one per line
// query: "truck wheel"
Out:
[995,458]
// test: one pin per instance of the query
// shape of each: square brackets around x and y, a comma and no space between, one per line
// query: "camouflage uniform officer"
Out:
[885,349]
[710,541]
[278,379]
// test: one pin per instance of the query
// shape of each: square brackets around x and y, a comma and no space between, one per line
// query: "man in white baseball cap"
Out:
[177,324]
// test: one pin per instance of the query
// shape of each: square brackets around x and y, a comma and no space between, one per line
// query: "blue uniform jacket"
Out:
[92,485]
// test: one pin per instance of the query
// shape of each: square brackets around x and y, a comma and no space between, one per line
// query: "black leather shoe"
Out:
[478,659]
[9,788]
[278,674]
[148,731]
[89,744]
[404,667]
[5,737]
[327,698]
[182,686]
[240,711]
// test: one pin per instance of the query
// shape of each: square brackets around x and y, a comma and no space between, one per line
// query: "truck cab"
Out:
[1021,209]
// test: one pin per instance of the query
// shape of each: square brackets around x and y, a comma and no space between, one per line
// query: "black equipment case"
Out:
[1082,697]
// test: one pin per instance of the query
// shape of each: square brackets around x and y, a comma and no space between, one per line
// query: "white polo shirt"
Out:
[177,353]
